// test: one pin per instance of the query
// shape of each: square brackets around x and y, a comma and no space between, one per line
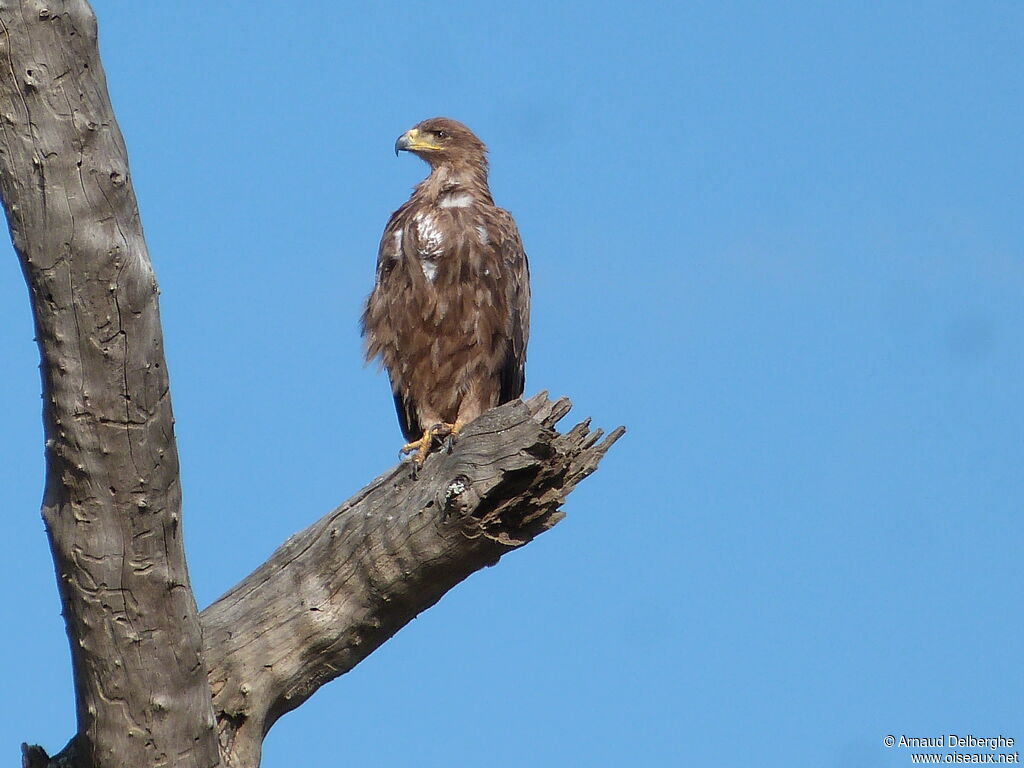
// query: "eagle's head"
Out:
[441,140]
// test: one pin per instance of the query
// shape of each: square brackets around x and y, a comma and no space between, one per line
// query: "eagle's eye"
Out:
[441,134]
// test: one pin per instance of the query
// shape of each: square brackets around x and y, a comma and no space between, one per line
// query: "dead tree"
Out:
[158,683]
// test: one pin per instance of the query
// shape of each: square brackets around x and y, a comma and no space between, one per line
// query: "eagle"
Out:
[449,314]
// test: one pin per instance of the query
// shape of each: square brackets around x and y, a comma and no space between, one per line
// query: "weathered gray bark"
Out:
[156,684]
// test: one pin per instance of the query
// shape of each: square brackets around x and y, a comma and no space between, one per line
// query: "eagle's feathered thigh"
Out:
[449,314]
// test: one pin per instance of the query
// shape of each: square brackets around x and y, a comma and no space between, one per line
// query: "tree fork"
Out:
[333,593]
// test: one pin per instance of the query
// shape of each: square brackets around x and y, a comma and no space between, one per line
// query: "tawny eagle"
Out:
[449,314]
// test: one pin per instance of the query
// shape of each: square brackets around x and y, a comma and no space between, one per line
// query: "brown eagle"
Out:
[449,315]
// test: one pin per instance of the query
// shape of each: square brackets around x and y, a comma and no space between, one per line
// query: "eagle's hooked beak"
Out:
[412,140]
[404,143]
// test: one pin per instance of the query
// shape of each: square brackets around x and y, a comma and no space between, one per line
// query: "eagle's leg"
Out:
[421,448]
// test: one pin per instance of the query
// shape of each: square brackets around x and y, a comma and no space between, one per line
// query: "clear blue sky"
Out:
[781,242]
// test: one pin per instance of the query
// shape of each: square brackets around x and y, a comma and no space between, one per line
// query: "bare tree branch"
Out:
[334,592]
[112,502]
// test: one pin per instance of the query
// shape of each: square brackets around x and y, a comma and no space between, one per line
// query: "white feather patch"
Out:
[481,230]
[457,201]
[429,269]
[428,233]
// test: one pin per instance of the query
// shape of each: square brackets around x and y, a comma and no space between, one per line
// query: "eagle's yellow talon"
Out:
[420,447]
[449,441]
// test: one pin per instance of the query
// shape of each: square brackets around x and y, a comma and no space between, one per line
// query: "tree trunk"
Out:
[156,683]
[112,502]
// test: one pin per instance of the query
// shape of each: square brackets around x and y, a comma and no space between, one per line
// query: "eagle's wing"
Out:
[517,299]
[406,410]
[392,287]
